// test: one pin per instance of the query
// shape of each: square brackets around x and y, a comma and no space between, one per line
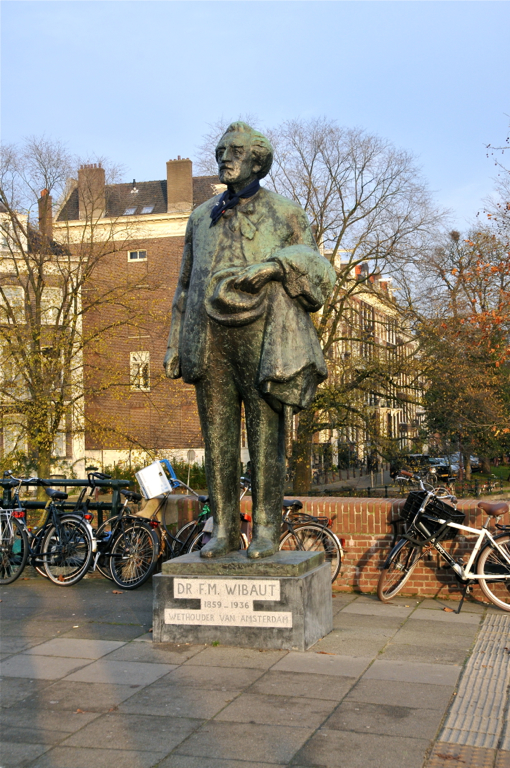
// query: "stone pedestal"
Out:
[283,601]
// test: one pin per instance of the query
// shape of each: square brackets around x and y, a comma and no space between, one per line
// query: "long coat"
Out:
[268,227]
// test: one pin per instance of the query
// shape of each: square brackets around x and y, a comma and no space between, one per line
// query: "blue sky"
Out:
[139,82]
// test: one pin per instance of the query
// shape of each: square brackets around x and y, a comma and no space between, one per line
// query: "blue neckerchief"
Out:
[230,199]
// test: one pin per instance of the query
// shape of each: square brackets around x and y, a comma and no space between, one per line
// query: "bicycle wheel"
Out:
[492,563]
[67,552]
[133,555]
[397,569]
[13,549]
[431,479]
[187,535]
[204,536]
[103,561]
[314,538]
[36,554]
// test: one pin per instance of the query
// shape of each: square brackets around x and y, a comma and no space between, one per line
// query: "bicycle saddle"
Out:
[131,495]
[56,495]
[495,508]
[9,483]
[292,503]
[203,499]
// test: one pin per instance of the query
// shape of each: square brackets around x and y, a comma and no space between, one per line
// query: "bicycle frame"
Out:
[464,571]
[117,523]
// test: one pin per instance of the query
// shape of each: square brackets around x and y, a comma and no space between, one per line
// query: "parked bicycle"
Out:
[430,518]
[127,545]
[192,536]
[304,532]
[61,548]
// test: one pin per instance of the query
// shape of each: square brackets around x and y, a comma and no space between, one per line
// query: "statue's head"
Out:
[243,154]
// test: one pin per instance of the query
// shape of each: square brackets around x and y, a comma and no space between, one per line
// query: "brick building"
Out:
[130,405]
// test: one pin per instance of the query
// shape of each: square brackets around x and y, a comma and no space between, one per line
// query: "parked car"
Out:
[440,467]
[476,465]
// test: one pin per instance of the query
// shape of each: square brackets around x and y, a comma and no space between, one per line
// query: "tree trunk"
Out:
[467,466]
[43,470]
[303,451]
[486,465]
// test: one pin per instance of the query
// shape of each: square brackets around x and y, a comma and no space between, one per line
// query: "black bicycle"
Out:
[308,533]
[127,546]
[60,549]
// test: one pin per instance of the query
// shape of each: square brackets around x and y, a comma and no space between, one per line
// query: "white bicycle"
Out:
[430,517]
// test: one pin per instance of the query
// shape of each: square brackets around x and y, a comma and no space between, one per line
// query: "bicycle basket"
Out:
[437,510]
[428,520]
[413,503]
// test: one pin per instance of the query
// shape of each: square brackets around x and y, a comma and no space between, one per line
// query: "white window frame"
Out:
[51,303]
[12,384]
[138,257]
[14,435]
[15,295]
[59,447]
[140,371]
[5,234]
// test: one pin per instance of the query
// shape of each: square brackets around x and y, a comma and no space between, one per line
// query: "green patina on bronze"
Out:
[241,332]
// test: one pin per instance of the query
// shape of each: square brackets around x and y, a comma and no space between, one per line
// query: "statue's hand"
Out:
[252,279]
[172,364]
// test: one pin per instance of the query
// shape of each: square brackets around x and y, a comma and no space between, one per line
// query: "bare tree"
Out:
[371,209]
[56,301]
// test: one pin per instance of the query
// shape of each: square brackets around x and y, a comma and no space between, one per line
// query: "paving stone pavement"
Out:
[83,686]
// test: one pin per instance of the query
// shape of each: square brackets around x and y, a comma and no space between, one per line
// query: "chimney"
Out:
[179,185]
[91,191]
[45,214]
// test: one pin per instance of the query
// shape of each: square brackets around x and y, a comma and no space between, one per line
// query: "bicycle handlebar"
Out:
[93,476]
[407,476]
[27,480]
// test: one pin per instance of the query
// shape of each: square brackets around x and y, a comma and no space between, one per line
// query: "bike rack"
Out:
[99,506]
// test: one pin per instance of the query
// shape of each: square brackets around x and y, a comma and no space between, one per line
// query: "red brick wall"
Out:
[364,525]
[166,417]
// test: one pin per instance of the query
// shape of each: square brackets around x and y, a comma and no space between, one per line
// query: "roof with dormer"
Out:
[140,195]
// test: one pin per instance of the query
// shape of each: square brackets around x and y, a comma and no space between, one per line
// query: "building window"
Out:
[147,209]
[12,382]
[14,433]
[139,365]
[137,255]
[51,304]
[12,304]
[130,211]
[59,447]
[5,234]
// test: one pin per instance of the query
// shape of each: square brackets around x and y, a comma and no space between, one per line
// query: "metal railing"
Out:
[97,506]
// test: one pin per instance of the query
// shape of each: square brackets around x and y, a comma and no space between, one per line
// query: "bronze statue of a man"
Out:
[241,333]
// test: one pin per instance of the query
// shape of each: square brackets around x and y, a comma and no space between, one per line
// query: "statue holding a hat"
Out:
[241,332]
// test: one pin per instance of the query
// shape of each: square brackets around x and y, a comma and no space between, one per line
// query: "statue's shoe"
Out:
[218,546]
[261,546]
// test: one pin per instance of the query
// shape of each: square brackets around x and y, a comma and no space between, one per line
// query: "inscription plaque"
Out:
[227,602]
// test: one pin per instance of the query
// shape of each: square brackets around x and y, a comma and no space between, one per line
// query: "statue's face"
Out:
[236,164]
